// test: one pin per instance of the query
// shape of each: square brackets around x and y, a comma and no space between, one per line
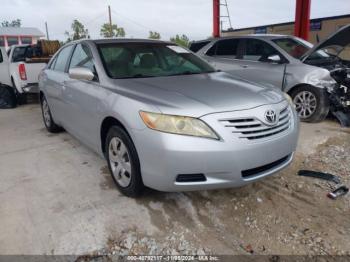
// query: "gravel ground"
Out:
[284,214]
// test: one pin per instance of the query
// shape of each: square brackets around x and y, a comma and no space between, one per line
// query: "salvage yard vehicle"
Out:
[317,78]
[23,65]
[164,118]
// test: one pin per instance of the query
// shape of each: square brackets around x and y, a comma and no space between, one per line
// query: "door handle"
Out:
[244,66]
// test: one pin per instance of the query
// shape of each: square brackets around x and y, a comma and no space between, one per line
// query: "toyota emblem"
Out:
[270,116]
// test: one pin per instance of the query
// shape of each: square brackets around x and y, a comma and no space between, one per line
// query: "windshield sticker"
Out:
[178,49]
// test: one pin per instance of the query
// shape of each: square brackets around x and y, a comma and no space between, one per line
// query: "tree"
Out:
[181,40]
[79,31]
[115,31]
[13,23]
[154,35]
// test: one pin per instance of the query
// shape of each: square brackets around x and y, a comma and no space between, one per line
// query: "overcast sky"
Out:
[169,17]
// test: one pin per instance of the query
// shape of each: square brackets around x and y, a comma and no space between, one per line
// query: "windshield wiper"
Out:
[136,76]
[190,73]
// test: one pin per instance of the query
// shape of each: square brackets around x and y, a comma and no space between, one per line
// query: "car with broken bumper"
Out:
[316,77]
[164,118]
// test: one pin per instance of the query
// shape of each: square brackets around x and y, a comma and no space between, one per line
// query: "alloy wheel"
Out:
[305,104]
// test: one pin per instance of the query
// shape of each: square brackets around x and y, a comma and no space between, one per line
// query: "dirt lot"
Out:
[57,198]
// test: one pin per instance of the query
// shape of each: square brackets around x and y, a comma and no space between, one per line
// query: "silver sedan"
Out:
[164,118]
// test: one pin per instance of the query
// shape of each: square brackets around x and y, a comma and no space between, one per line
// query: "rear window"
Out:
[19,54]
[196,46]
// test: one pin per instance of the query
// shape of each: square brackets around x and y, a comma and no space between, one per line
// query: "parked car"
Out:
[20,68]
[317,78]
[164,118]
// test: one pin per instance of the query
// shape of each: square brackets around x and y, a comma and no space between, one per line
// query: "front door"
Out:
[81,97]
[255,65]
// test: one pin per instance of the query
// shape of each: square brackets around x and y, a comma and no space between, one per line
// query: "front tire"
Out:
[123,162]
[50,124]
[311,103]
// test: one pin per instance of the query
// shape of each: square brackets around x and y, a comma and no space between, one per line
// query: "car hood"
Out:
[198,95]
[340,38]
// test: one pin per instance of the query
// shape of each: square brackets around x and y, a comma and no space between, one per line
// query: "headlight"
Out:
[182,125]
[289,99]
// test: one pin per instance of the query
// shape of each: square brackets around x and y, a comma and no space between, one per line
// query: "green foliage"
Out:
[154,35]
[13,23]
[182,40]
[115,31]
[78,31]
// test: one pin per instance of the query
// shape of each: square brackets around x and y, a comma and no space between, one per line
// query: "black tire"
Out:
[135,186]
[21,98]
[7,97]
[322,103]
[49,123]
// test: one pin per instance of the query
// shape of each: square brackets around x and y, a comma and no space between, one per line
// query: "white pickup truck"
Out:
[20,67]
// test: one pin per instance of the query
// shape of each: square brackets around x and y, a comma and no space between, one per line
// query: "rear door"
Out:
[53,82]
[255,66]
[4,68]
[223,55]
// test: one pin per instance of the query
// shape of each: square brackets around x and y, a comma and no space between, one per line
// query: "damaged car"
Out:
[316,77]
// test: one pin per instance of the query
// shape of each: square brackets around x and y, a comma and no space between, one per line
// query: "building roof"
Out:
[287,23]
[16,31]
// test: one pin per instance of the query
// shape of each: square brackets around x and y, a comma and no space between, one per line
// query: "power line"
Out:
[136,23]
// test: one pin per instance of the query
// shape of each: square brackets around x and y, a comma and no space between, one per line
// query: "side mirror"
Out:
[274,59]
[81,73]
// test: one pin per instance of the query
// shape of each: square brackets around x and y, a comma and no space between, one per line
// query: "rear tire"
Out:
[123,162]
[7,97]
[312,103]
[21,98]
[49,123]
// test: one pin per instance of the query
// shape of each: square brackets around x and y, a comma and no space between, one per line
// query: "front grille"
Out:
[261,169]
[252,128]
[186,178]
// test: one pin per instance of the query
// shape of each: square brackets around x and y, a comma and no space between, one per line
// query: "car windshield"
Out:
[298,47]
[140,60]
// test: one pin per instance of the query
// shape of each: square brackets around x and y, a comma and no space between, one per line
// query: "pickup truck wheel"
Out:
[7,97]
[21,98]
[50,124]
[311,103]
[123,162]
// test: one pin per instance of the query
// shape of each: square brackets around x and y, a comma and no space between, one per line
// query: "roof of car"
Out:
[125,40]
[261,36]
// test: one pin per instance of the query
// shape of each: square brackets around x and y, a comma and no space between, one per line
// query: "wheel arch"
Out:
[291,90]
[106,124]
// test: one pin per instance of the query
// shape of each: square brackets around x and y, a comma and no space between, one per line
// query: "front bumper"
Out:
[223,162]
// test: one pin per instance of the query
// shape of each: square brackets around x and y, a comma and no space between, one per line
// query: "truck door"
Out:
[4,68]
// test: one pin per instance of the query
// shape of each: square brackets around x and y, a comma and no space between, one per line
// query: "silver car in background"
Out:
[164,118]
[317,78]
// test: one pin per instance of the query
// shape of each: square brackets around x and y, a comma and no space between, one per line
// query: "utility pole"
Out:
[110,20]
[47,31]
